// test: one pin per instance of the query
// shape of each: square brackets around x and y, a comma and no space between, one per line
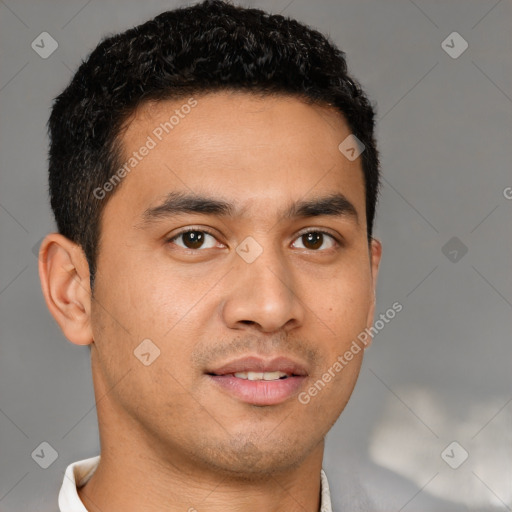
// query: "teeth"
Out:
[260,375]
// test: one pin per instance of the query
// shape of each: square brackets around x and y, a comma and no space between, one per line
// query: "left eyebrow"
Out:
[178,203]
[334,205]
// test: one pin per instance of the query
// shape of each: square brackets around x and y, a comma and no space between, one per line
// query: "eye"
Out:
[314,240]
[194,239]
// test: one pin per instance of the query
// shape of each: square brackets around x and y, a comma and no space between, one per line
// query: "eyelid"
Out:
[191,228]
[324,231]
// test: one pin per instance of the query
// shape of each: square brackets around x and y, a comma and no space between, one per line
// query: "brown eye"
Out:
[313,240]
[193,239]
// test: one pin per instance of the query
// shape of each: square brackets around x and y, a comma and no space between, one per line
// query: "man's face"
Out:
[248,284]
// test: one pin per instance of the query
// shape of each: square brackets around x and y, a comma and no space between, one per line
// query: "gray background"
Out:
[439,372]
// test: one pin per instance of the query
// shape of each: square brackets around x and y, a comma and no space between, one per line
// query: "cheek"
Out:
[344,303]
[146,299]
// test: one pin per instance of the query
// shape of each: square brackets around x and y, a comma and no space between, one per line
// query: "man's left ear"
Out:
[375,257]
[64,275]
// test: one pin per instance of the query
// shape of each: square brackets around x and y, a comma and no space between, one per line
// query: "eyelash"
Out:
[337,241]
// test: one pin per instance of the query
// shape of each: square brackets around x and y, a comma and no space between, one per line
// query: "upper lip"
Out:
[258,364]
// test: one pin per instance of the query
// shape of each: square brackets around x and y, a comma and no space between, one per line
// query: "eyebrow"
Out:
[178,203]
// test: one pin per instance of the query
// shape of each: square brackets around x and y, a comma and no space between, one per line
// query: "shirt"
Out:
[78,474]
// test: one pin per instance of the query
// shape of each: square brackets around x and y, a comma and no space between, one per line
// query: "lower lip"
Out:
[259,392]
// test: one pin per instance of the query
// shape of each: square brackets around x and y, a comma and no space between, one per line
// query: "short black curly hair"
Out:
[206,47]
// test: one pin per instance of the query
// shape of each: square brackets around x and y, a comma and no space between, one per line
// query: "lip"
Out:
[258,364]
[259,392]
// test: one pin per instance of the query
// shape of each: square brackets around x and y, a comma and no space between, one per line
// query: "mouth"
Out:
[268,376]
[257,381]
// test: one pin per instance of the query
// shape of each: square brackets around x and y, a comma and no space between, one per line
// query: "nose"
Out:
[263,293]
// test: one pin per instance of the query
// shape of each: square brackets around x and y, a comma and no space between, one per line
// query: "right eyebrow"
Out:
[177,203]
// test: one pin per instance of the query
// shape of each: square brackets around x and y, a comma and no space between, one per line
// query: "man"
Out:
[213,175]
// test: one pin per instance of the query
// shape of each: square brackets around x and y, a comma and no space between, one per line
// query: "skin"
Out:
[170,440]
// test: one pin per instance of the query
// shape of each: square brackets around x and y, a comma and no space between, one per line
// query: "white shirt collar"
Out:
[78,473]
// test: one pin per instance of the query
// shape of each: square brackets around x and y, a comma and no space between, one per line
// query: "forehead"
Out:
[252,150]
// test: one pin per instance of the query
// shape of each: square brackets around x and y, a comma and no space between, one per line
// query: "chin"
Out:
[257,459]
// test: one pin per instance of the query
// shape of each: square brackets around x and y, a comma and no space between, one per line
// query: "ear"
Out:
[64,275]
[375,257]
